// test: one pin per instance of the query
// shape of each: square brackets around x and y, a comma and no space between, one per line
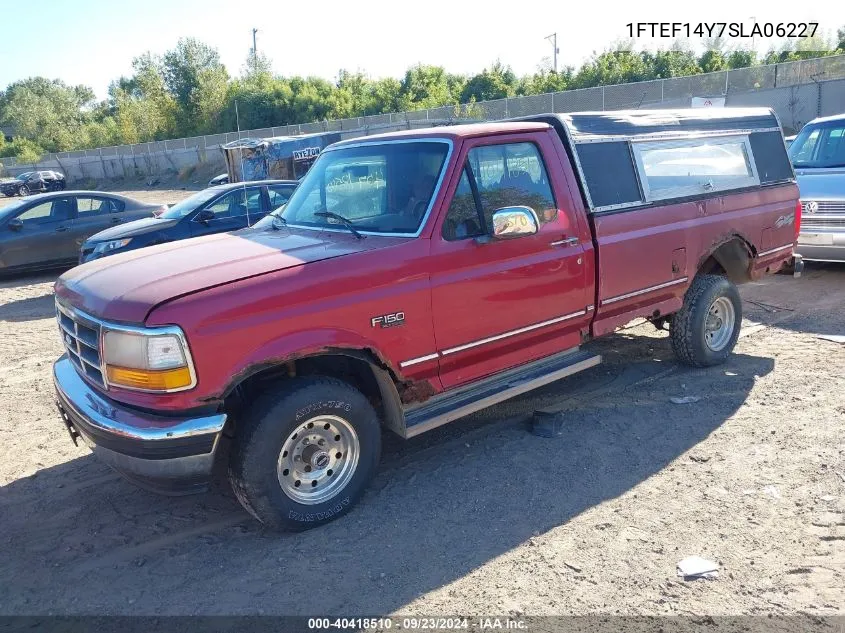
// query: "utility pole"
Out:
[553,39]
[753,24]
[254,46]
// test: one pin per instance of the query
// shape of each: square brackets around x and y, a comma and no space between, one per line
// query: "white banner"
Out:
[708,102]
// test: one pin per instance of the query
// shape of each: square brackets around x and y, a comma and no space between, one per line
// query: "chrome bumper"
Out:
[172,455]
[822,245]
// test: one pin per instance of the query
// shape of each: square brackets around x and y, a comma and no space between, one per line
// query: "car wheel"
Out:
[23,190]
[304,456]
[705,330]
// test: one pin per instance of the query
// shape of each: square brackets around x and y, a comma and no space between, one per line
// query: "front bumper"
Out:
[164,454]
[821,246]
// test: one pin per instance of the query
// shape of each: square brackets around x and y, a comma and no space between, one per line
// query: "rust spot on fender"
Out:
[416,391]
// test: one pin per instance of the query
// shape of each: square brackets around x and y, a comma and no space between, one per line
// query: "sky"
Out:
[92,42]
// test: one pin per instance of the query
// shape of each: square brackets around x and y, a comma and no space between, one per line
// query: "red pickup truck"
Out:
[413,278]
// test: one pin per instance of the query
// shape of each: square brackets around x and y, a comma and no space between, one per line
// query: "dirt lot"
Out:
[480,517]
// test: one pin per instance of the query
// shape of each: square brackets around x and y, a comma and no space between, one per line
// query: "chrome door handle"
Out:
[568,241]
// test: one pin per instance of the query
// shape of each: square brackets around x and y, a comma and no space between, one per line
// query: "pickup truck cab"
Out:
[411,279]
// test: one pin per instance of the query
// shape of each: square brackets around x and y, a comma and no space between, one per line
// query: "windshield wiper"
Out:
[278,221]
[345,221]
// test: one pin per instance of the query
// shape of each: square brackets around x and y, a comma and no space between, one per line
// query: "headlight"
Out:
[104,248]
[154,359]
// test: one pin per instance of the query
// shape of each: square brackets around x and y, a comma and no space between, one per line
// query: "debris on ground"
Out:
[833,338]
[684,400]
[772,491]
[695,567]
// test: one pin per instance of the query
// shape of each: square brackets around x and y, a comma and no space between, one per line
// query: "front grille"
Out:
[81,338]
[825,206]
[813,222]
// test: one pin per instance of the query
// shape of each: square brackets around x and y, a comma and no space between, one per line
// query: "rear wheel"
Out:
[705,330]
[305,455]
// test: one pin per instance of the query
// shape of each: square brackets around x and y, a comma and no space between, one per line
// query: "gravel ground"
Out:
[480,517]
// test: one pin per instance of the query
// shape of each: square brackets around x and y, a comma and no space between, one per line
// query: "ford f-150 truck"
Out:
[411,279]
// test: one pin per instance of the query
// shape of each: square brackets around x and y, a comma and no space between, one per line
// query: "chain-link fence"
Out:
[756,83]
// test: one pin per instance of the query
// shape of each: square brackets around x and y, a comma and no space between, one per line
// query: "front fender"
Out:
[295,345]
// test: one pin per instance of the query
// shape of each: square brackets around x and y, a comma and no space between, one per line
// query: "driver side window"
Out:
[507,175]
[53,211]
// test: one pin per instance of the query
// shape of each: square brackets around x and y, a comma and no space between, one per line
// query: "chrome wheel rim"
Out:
[719,327]
[318,459]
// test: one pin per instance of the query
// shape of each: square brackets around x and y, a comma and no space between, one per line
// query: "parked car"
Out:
[47,230]
[788,140]
[411,279]
[222,179]
[214,210]
[818,155]
[33,182]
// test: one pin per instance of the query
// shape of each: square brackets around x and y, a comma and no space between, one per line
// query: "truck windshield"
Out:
[379,188]
[820,145]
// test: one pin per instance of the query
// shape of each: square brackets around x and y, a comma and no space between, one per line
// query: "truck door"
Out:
[498,303]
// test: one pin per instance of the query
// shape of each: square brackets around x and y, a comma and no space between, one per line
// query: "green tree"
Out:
[49,112]
[741,59]
[24,150]
[197,80]
[712,61]
[426,87]
[497,82]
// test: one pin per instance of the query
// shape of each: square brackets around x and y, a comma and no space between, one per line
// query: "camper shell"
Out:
[278,157]
[621,157]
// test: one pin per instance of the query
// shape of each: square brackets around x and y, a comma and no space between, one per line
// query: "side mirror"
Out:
[510,222]
[204,216]
[15,224]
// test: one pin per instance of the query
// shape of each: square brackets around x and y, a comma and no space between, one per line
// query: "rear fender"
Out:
[734,253]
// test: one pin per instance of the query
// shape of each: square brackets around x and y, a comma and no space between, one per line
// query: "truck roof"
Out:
[466,130]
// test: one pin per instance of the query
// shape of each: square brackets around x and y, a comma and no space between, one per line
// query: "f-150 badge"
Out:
[394,319]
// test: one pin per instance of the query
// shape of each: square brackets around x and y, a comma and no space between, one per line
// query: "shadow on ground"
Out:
[77,539]
[28,309]
[22,280]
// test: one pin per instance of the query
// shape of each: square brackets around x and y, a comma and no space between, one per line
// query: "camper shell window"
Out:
[637,158]
[678,169]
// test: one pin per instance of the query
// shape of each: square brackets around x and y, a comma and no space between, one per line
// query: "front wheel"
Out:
[705,330]
[23,190]
[305,455]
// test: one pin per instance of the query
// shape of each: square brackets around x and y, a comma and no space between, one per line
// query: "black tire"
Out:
[23,190]
[266,427]
[688,330]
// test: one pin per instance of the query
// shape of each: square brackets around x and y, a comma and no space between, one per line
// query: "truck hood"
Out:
[131,229]
[127,286]
[821,184]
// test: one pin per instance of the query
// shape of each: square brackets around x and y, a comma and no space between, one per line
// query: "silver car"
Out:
[818,156]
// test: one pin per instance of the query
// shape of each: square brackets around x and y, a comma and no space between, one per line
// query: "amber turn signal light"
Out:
[152,380]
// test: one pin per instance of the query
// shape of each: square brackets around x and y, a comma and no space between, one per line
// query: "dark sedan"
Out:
[33,182]
[214,210]
[47,230]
